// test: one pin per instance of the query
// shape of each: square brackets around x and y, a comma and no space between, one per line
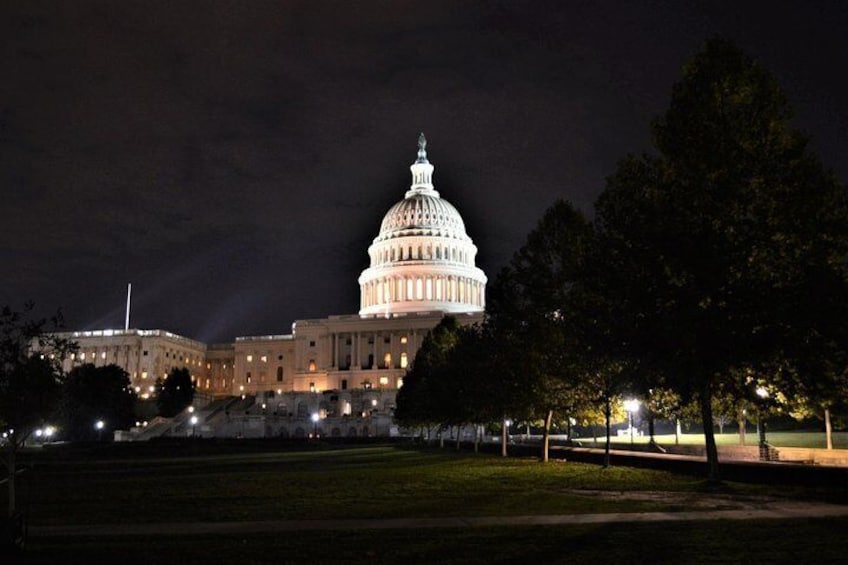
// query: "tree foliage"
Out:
[91,394]
[175,393]
[714,247]
[30,373]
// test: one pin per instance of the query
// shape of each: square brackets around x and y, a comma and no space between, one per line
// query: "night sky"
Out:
[233,160]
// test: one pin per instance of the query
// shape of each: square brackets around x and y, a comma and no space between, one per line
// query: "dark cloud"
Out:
[234,159]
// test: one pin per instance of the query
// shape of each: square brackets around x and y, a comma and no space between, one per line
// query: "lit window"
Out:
[144,374]
[400,382]
[209,365]
[384,380]
[403,340]
[264,358]
[82,356]
[250,358]
[312,366]
[73,356]
[387,360]
[311,387]
[403,361]
[247,377]
[103,355]
[373,402]
[366,385]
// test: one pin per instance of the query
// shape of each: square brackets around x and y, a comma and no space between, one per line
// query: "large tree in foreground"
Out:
[713,246]
[30,362]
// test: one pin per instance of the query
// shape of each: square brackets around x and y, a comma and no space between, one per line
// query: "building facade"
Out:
[337,375]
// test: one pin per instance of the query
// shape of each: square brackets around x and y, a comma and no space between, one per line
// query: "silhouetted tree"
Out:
[713,247]
[175,393]
[30,373]
[91,394]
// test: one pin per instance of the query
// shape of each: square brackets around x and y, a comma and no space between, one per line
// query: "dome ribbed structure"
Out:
[422,260]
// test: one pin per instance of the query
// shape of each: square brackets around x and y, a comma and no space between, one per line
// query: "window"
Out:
[264,358]
[366,385]
[403,339]
[144,374]
[312,366]
[145,353]
[311,387]
[387,339]
[400,382]
[82,356]
[404,360]
[387,360]
[279,374]
[279,357]
[384,380]
[250,358]
[311,344]
[103,355]
[344,384]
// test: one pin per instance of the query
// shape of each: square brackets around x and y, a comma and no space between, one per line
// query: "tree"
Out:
[176,392]
[30,372]
[91,394]
[428,393]
[712,245]
[532,304]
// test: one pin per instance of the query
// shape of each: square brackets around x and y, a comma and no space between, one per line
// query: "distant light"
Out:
[373,402]
[631,405]
[315,417]
[190,409]
[38,432]
[194,420]
[762,392]
[98,425]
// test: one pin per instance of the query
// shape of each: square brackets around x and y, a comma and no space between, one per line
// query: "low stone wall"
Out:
[816,456]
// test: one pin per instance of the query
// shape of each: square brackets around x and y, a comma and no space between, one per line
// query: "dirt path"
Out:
[710,507]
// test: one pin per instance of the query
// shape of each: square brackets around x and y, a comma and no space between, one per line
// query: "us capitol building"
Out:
[335,376]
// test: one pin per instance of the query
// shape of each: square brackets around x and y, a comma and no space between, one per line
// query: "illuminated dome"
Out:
[422,260]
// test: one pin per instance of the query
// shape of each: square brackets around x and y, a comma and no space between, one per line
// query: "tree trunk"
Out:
[709,434]
[546,440]
[607,415]
[477,434]
[503,438]
[651,427]
[743,424]
[677,431]
[441,438]
[12,464]
[458,436]
[828,429]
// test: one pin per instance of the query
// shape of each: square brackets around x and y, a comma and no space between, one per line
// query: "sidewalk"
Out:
[768,511]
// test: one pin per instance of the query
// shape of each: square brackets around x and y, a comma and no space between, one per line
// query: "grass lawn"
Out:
[201,482]
[78,487]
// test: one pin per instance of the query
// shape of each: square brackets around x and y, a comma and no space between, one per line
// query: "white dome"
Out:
[422,214]
[422,260]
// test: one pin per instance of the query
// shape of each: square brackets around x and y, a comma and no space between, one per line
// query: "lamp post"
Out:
[315,418]
[193,425]
[763,393]
[631,405]
[98,425]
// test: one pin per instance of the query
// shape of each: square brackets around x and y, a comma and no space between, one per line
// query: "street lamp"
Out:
[315,418]
[631,405]
[193,421]
[763,393]
[98,425]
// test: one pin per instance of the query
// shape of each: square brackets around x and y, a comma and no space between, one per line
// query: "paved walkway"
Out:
[769,510]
